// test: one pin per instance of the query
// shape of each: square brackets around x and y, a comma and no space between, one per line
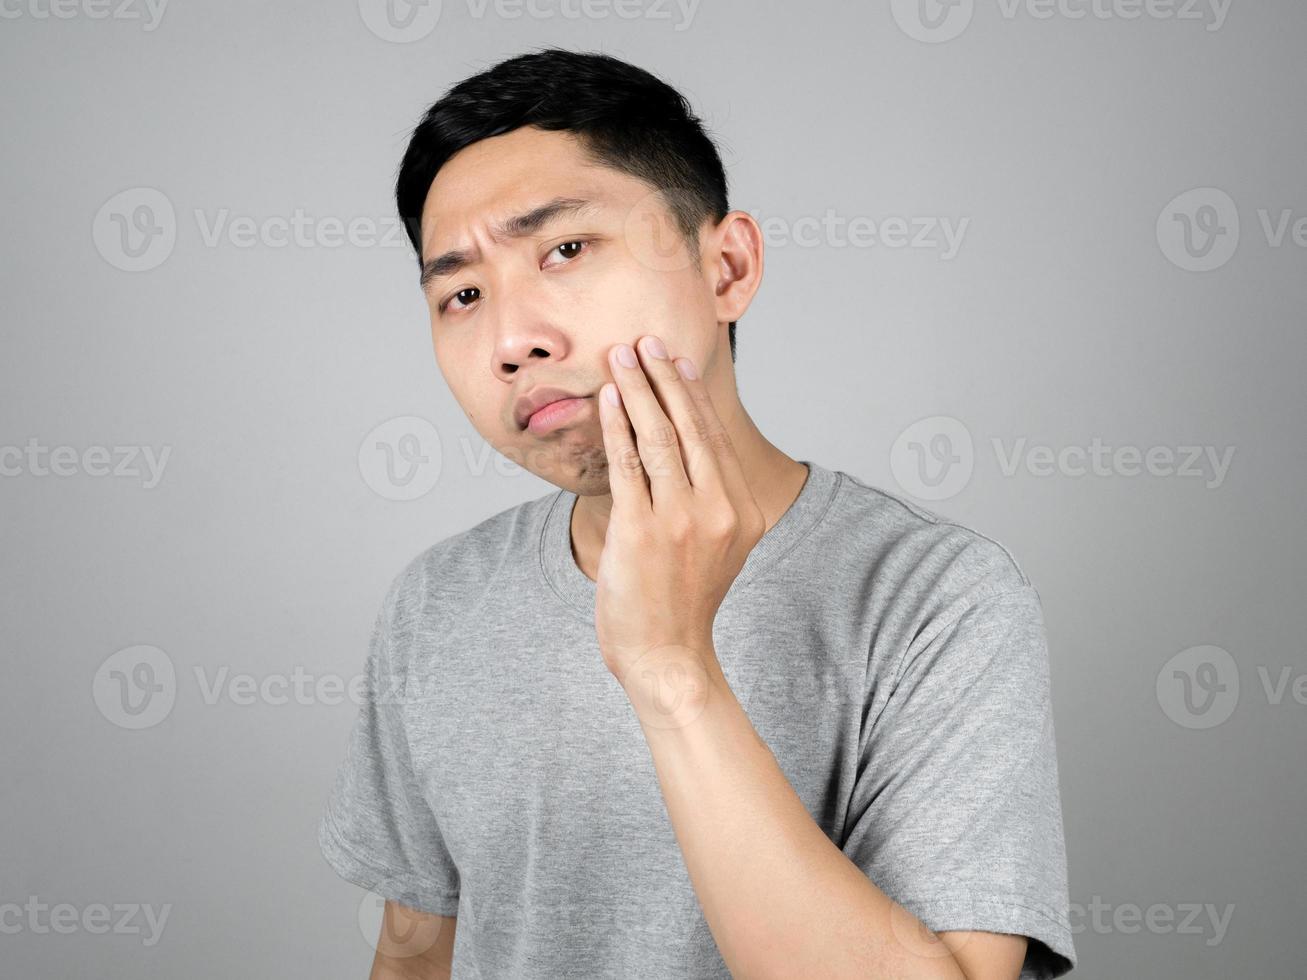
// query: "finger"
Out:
[655,435]
[715,434]
[677,403]
[626,476]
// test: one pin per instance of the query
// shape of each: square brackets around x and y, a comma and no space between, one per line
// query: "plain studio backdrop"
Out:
[1037,266]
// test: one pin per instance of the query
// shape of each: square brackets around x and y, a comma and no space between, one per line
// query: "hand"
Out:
[683,520]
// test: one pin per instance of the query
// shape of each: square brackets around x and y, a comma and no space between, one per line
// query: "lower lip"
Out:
[555,414]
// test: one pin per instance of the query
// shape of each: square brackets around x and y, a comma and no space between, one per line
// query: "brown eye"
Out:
[568,250]
[461,297]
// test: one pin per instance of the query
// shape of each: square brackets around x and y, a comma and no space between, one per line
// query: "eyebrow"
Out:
[518,226]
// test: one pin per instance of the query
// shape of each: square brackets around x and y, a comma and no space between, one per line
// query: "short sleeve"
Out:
[378,831]
[955,812]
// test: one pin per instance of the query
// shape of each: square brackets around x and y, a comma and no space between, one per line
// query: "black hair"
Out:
[624,117]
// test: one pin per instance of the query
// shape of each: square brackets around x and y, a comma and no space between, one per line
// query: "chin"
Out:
[582,469]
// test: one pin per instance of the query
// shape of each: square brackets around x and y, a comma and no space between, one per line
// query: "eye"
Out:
[570,250]
[462,299]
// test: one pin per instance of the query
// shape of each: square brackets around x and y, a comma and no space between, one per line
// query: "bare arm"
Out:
[413,945]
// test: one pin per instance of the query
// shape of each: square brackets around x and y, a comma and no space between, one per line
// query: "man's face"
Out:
[543,309]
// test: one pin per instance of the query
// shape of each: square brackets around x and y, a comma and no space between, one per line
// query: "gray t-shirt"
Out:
[894,662]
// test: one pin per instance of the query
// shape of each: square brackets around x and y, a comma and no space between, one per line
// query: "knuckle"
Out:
[700,430]
[696,454]
[665,466]
[725,523]
[628,460]
[721,442]
[680,526]
[661,435]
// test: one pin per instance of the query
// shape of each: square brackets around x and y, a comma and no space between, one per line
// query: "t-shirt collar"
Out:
[578,592]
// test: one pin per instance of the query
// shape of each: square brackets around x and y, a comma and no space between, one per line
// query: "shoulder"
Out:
[918,566]
[944,596]
[923,539]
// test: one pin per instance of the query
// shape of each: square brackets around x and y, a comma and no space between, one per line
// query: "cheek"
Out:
[638,300]
[455,368]
[676,308]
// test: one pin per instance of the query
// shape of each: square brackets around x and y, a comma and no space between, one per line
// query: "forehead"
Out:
[506,175]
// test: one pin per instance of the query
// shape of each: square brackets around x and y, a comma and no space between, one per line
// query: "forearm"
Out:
[779,897]
[413,945]
[389,968]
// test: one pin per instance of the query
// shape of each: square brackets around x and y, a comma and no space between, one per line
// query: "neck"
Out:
[773,477]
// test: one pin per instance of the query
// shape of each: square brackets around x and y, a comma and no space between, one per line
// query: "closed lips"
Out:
[528,405]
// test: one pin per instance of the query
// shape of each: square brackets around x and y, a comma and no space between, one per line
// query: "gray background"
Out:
[266,546]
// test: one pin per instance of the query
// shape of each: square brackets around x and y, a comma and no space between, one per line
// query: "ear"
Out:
[732,256]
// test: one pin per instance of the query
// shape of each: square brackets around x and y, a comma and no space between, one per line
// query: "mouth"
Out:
[545,404]
[556,414]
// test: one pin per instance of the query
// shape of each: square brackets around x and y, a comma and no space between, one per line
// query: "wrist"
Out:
[670,685]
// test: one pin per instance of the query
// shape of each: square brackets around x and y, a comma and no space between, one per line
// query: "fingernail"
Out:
[686,367]
[610,394]
[654,348]
[626,356]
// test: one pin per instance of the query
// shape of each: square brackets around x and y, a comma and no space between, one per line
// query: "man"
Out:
[706,710]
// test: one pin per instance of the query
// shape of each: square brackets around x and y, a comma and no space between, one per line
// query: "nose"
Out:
[522,335]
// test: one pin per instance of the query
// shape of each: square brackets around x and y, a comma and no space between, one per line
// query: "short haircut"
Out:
[624,117]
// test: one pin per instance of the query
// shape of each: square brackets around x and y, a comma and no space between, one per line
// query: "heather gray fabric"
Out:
[895,663]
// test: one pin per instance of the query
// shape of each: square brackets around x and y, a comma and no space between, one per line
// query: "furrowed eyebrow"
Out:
[518,226]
